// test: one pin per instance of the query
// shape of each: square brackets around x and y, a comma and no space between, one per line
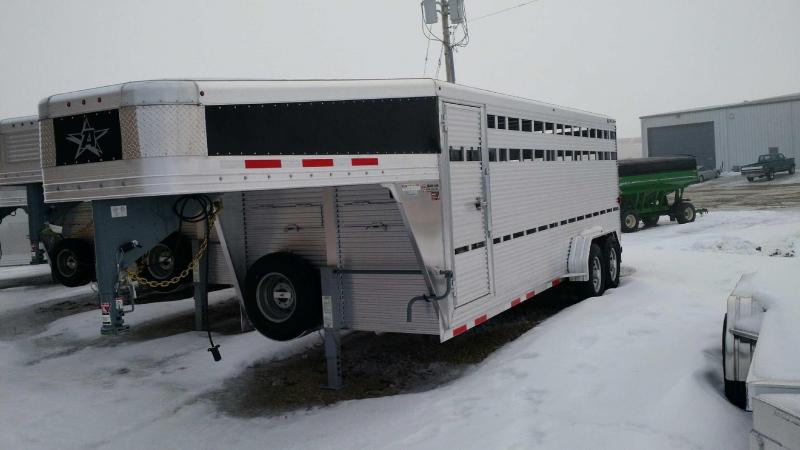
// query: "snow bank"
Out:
[638,368]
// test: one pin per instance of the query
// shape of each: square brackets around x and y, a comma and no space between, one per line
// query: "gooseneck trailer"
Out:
[411,206]
[62,231]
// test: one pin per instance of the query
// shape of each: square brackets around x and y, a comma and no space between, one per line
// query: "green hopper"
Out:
[653,187]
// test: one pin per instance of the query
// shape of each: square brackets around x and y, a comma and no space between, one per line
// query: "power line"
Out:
[427,54]
[503,10]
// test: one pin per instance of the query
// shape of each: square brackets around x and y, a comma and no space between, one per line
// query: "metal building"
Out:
[726,136]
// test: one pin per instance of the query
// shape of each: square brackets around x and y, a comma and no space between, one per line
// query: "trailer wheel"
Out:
[685,212]
[735,391]
[630,221]
[650,221]
[596,285]
[282,296]
[167,259]
[72,262]
[611,256]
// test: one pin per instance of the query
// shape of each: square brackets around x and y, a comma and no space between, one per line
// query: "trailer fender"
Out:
[578,260]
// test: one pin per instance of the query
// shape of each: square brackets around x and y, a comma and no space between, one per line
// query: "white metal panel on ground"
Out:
[284,220]
[372,234]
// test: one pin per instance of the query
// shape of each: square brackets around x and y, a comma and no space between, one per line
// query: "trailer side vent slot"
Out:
[530,231]
[478,245]
[461,250]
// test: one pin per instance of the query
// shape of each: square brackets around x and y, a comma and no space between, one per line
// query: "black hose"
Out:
[431,299]
[206,211]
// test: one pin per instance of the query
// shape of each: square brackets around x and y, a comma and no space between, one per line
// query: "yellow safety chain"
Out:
[135,275]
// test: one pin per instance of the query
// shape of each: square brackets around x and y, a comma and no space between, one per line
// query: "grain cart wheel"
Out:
[630,221]
[72,262]
[735,391]
[684,212]
[282,296]
[650,221]
[167,259]
[595,286]
[612,259]
[770,175]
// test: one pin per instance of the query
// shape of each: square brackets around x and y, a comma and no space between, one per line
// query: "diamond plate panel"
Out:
[48,143]
[130,133]
[171,130]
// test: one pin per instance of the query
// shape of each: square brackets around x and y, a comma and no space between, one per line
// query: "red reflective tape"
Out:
[262,164]
[515,302]
[317,163]
[365,161]
[480,320]
[460,330]
[530,295]
[556,282]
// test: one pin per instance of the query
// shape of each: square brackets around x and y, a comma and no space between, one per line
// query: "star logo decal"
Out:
[88,140]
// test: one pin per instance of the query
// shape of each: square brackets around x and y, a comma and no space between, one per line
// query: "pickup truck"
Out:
[767,166]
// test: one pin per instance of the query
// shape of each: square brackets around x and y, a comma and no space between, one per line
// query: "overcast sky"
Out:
[624,58]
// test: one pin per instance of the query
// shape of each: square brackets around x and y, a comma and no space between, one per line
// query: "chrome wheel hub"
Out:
[276,297]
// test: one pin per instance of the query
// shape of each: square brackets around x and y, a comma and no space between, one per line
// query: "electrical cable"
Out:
[206,211]
[503,10]
[424,71]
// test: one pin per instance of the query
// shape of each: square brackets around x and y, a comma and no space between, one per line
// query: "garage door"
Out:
[696,139]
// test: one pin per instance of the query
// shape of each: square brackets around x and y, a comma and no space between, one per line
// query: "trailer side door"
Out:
[468,206]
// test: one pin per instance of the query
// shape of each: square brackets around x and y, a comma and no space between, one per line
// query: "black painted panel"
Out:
[400,126]
[88,138]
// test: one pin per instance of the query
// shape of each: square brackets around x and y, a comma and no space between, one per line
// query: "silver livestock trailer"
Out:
[411,206]
[63,231]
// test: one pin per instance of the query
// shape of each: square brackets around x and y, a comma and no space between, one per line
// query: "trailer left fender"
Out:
[578,260]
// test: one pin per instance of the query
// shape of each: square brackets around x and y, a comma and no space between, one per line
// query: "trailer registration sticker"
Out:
[412,190]
[119,211]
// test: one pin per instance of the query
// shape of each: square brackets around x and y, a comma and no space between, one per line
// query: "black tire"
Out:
[596,285]
[750,179]
[770,175]
[791,170]
[702,179]
[167,259]
[650,221]
[629,220]
[298,309]
[612,257]
[72,262]
[684,212]
[735,391]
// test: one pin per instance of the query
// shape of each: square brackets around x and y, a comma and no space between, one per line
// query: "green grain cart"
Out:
[653,187]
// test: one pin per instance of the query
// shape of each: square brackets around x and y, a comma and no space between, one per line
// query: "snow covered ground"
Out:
[638,368]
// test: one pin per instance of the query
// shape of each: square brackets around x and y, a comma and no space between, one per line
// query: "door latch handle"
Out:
[479,203]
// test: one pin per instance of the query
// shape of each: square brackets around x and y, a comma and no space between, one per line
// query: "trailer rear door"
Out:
[467,201]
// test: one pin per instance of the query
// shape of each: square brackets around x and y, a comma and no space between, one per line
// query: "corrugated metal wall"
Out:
[742,132]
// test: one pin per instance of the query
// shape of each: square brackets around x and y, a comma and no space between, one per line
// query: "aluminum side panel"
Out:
[284,220]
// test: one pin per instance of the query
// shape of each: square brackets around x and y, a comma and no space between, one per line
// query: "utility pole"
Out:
[448,50]
[452,11]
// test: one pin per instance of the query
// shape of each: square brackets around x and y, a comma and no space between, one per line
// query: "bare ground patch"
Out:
[379,365]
